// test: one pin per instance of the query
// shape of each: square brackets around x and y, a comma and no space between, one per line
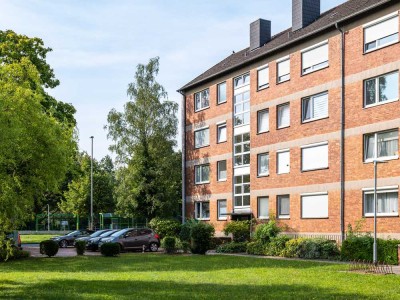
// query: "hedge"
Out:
[233,247]
[110,249]
[49,247]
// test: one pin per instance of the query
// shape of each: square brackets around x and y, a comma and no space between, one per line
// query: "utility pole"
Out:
[91,188]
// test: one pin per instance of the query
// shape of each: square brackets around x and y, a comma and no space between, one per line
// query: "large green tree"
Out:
[149,180]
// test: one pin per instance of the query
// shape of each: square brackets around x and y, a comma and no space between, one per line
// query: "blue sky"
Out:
[97,45]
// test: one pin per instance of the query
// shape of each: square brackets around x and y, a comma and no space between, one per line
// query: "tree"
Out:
[149,181]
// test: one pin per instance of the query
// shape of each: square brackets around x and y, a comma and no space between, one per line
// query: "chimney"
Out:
[304,12]
[260,33]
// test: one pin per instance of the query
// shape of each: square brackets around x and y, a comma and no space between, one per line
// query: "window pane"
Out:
[387,202]
[246,188]
[284,205]
[370,91]
[246,79]
[197,174]
[221,133]
[369,204]
[205,173]
[238,179]
[206,210]
[369,150]
[263,121]
[263,77]
[283,116]
[246,96]
[246,159]
[246,200]
[238,200]
[222,170]
[205,98]
[222,209]
[222,92]
[238,81]
[307,109]
[246,178]
[263,211]
[387,143]
[389,87]
[197,101]
[246,137]
[263,164]
[238,139]
[238,108]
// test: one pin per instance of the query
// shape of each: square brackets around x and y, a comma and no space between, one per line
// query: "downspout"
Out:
[342,135]
[183,134]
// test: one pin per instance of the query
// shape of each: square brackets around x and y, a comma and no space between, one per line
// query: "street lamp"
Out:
[375,250]
[91,188]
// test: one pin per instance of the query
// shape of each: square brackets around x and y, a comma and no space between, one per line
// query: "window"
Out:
[242,190]
[221,133]
[202,174]
[283,70]
[222,209]
[221,169]
[202,210]
[263,121]
[263,78]
[241,80]
[283,115]
[382,145]
[201,100]
[314,206]
[387,202]
[315,107]
[263,209]
[283,161]
[381,89]
[242,108]
[381,34]
[283,206]
[314,157]
[221,95]
[202,138]
[263,164]
[315,58]
[242,149]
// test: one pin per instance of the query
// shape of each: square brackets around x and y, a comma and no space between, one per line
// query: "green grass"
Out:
[159,276]
[35,238]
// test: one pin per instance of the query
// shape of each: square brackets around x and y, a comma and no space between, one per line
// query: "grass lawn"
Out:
[35,238]
[159,276]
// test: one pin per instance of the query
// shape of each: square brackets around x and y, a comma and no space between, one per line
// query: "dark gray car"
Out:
[134,238]
[93,243]
[69,239]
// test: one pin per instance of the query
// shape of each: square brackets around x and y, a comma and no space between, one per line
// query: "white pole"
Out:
[375,250]
[91,188]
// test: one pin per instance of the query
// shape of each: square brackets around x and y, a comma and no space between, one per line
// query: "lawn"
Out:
[159,276]
[35,238]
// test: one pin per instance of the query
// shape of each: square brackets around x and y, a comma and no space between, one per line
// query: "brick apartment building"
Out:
[290,126]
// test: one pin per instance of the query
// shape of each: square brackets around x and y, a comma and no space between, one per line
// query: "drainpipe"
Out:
[183,134]
[342,134]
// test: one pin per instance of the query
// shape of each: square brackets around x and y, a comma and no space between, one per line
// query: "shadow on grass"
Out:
[132,289]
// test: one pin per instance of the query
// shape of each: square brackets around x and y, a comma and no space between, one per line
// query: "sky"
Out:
[97,45]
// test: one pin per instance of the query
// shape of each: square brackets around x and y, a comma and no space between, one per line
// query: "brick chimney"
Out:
[304,12]
[260,33]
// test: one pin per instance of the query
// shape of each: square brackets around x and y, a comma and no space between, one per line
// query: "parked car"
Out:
[134,238]
[93,243]
[15,239]
[93,235]
[69,239]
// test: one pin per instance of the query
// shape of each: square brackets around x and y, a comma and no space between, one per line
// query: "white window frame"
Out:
[219,94]
[321,65]
[278,113]
[218,170]
[265,85]
[242,194]
[243,153]
[375,23]
[311,195]
[259,113]
[242,78]
[222,217]
[197,131]
[390,157]
[303,148]
[222,125]
[380,190]
[259,215]
[279,76]
[279,199]
[311,99]
[196,109]
[277,161]
[200,212]
[259,164]
[201,179]
[242,103]
[377,96]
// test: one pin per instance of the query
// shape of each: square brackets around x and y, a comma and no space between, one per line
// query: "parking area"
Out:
[62,252]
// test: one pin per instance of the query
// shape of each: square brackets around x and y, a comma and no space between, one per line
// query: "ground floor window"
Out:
[202,210]
[387,203]
[222,210]
[263,210]
[314,206]
[283,206]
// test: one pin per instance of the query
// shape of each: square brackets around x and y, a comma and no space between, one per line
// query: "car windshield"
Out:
[73,233]
[97,233]
[118,233]
[108,233]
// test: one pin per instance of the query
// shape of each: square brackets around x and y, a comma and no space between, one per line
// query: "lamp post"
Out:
[91,187]
[375,249]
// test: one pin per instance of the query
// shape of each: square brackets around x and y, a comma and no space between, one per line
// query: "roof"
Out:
[285,38]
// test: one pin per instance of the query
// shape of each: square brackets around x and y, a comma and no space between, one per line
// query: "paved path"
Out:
[62,252]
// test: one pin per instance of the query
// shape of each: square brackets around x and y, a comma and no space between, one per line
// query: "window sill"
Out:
[313,120]
[319,169]
[284,217]
[381,215]
[219,103]
[282,173]
[200,183]
[241,166]
[262,88]
[222,180]
[262,132]
[263,218]
[202,147]
[204,108]
[283,81]
[283,127]
[315,218]
[387,158]
[221,142]
[222,219]
[378,48]
[262,175]
[380,103]
[203,219]
[313,71]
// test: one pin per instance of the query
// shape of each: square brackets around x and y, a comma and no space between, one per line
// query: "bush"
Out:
[110,249]
[184,234]
[15,254]
[317,248]
[255,248]
[169,244]
[361,248]
[185,247]
[240,230]
[80,247]
[292,247]
[233,247]
[264,232]
[217,241]
[276,245]
[165,227]
[200,237]
[49,247]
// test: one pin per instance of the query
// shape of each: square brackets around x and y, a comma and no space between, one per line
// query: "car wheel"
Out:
[63,244]
[153,247]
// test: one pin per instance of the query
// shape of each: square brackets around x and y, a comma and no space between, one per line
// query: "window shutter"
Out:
[315,56]
[284,67]
[320,106]
[314,157]
[284,116]
[263,121]
[263,77]
[314,206]
[380,30]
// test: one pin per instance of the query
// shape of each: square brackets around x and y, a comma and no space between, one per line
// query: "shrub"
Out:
[217,241]
[240,230]
[361,248]
[49,247]
[264,232]
[80,247]
[110,249]
[318,248]
[182,245]
[165,227]
[200,237]
[169,244]
[15,254]
[276,245]
[255,248]
[184,234]
[232,247]
[292,247]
